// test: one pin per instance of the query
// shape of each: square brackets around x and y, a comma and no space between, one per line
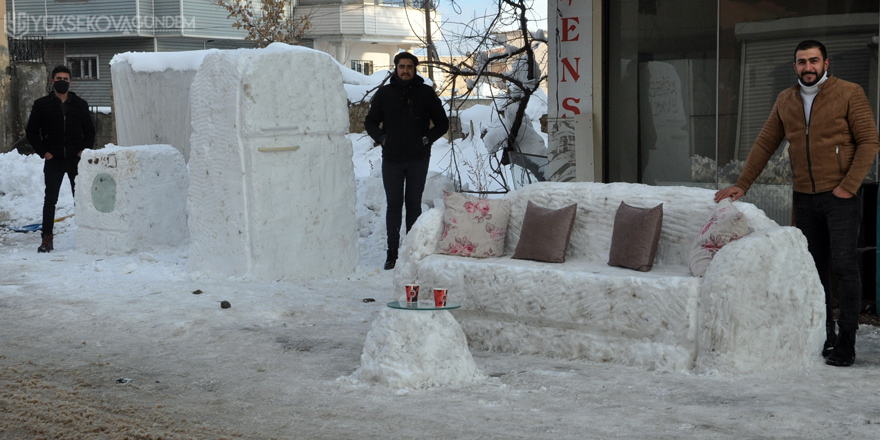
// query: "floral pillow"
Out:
[725,225]
[474,227]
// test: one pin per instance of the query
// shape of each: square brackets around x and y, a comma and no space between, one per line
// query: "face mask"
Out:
[61,86]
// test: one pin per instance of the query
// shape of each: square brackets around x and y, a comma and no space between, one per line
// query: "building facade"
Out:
[674,92]
[86,36]
[361,34]
[364,35]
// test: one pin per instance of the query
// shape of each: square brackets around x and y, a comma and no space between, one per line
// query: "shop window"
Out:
[690,84]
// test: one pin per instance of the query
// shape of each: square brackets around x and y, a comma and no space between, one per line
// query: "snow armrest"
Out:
[761,304]
[421,241]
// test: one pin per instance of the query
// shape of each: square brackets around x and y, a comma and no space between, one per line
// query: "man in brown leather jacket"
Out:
[833,141]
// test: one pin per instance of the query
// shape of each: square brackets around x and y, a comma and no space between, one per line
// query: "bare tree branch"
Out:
[275,21]
[507,59]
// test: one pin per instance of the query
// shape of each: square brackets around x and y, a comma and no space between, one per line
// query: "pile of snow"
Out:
[131,199]
[272,190]
[22,187]
[417,349]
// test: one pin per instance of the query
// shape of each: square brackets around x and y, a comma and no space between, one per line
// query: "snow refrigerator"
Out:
[272,193]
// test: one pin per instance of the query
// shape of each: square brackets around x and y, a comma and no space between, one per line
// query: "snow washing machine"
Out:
[130,199]
[272,193]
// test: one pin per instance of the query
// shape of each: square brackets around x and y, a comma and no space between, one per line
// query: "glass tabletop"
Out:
[421,305]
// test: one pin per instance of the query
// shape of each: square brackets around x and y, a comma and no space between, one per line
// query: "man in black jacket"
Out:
[405,108]
[59,129]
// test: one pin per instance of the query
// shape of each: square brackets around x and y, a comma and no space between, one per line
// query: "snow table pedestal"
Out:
[417,347]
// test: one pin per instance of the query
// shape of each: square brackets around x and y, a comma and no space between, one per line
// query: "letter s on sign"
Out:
[567,104]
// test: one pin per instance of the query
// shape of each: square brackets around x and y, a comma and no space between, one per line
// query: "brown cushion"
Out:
[635,237]
[545,233]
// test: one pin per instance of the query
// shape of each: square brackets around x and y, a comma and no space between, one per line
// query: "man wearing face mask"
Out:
[59,129]
[833,141]
[399,120]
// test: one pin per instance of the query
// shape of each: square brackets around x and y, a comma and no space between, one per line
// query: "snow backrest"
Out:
[685,210]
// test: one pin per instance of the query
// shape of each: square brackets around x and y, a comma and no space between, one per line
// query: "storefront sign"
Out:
[571,85]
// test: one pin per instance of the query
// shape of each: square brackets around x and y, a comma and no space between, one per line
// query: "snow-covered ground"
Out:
[134,346]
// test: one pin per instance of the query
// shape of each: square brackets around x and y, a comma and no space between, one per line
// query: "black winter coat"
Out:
[50,130]
[405,112]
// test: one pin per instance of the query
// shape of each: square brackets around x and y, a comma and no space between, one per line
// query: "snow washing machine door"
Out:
[104,193]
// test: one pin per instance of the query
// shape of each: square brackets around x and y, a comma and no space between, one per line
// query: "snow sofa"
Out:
[759,306]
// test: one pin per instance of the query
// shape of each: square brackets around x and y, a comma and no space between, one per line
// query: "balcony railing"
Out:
[27,49]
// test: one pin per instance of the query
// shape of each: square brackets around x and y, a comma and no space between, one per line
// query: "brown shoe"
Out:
[46,246]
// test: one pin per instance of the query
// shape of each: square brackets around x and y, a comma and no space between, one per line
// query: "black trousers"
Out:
[404,184]
[831,225]
[54,170]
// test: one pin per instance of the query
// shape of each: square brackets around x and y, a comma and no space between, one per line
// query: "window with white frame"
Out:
[362,66]
[83,66]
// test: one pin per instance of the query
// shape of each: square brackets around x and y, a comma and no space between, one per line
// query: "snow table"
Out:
[417,346]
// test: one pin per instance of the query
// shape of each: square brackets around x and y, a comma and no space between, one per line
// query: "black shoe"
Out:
[391,261]
[830,340]
[827,349]
[46,246]
[844,352]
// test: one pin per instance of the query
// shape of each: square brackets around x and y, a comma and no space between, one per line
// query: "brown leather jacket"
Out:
[837,148]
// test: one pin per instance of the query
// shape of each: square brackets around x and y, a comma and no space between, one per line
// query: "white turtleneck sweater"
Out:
[808,93]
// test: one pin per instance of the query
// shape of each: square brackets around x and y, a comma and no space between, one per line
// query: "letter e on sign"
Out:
[569,24]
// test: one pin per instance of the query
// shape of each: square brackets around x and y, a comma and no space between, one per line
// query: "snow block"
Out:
[130,199]
[272,192]
[152,106]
